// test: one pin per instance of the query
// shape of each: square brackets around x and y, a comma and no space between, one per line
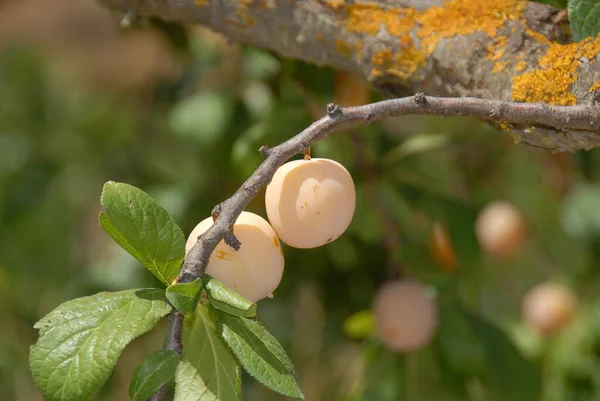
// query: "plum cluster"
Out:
[309,203]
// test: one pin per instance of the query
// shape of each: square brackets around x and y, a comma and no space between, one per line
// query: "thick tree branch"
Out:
[509,50]
[577,118]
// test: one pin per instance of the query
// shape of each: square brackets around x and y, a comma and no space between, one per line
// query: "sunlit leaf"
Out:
[143,228]
[81,340]
[260,354]
[584,17]
[227,300]
[208,371]
[184,296]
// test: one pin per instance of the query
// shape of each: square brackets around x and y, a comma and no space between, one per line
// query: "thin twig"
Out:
[583,118]
[173,342]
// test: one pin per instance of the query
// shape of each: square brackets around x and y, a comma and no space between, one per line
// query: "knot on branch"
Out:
[231,240]
[420,99]
[334,110]
[216,212]
[497,112]
[265,150]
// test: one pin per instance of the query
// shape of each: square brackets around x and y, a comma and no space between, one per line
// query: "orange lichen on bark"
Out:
[594,87]
[558,71]
[467,16]
[497,49]
[368,18]
[430,25]
[521,65]
[200,2]
[402,65]
[335,3]
[500,66]
[538,36]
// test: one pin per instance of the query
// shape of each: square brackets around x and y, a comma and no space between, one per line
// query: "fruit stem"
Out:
[307,154]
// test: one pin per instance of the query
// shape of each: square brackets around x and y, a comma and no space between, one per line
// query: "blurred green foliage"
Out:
[191,138]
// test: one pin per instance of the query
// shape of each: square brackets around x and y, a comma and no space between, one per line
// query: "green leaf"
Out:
[81,340]
[156,369]
[184,297]
[510,374]
[260,354]
[208,370]
[144,229]
[584,17]
[227,300]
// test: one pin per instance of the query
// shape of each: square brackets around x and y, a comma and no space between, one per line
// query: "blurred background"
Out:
[180,113]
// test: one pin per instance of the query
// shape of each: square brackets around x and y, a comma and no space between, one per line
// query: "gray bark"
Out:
[499,60]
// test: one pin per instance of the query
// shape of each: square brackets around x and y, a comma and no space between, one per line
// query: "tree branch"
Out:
[578,118]
[510,50]
[585,120]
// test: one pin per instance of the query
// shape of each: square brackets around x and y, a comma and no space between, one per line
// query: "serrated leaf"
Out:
[260,354]
[509,373]
[184,297]
[143,228]
[584,17]
[208,371]
[81,340]
[156,369]
[227,300]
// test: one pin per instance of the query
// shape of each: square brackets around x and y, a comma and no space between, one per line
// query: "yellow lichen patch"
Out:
[558,71]
[335,3]
[467,16]
[521,65]
[497,49]
[402,65]
[538,36]
[500,66]
[369,18]
[430,25]
[595,87]
[200,2]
